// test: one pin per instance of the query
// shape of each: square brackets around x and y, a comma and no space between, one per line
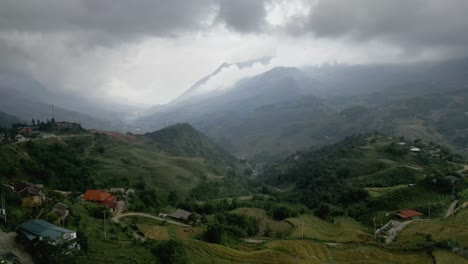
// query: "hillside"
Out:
[7,120]
[185,141]
[369,176]
[273,131]
[272,114]
[75,162]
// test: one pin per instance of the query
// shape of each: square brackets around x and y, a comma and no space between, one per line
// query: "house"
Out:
[31,202]
[130,192]
[180,215]
[452,179]
[25,131]
[101,197]
[409,214]
[117,190]
[401,143]
[33,231]
[415,150]
[21,138]
[67,125]
[61,210]
[31,195]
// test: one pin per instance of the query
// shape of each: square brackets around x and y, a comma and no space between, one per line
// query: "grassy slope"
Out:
[341,230]
[128,158]
[453,228]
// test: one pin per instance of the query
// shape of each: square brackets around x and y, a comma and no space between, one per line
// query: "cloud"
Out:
[243,15]
[149,51]
[412,25]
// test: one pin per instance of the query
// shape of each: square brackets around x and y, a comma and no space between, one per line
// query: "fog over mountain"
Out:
[233,131]
[139,66]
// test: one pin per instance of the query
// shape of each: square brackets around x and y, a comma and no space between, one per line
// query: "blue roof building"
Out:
[35,230]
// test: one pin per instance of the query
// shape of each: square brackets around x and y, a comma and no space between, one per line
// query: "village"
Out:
[49,224]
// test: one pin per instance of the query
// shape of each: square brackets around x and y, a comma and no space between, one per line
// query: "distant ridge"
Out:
[184,140]
[7,120]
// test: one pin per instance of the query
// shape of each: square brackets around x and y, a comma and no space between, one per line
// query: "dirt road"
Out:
[117,218]
[8,244]
[451,208]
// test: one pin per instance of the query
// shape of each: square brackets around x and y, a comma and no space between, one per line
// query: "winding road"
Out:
[117,218]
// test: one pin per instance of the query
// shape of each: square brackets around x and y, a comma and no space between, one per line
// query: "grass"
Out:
[117,247]
[453,228]
[376,192]
[342,230]
[447,257]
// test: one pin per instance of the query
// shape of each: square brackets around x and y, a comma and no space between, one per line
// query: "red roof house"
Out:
[409,214]
[101,197]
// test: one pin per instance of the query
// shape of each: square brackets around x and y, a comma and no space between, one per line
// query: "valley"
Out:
[336,197]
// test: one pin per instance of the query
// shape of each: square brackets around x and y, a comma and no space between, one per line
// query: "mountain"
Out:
[7,120]
[25,97]
[185,141]
[194,90]
[277,112]
[362,175]
[245,96]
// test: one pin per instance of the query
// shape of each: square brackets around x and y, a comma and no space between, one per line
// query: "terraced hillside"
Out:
[294,251]
[341,230]
[453,229]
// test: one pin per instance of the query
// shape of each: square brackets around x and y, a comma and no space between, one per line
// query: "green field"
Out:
[376,192]
[341,230]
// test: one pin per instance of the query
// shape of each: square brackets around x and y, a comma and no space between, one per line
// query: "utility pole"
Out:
[375,228]
[453,190]
[105,237]
[3,210]
[53,112]
[302,223]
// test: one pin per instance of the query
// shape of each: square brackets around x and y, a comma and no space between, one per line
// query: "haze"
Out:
[143,53]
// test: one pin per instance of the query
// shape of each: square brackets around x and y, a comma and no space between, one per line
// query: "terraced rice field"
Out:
[296,251]
[376,192]
[417,196]
[201,252]
[342,230]
[454,228]
[154,232]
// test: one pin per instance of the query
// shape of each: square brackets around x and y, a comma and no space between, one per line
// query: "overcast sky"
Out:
[149,51]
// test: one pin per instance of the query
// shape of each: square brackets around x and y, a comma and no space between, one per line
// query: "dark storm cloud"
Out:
[104,18]
[120,19]
[410,24]
[242,15]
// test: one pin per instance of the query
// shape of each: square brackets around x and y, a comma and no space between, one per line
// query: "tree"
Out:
[169,252]
[214,233]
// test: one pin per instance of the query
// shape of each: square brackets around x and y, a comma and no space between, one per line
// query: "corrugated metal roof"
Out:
[41,228]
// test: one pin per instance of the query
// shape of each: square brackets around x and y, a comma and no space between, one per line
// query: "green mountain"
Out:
[273,131]
[76,162]
[7,120]
[369,175]
[184,140]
